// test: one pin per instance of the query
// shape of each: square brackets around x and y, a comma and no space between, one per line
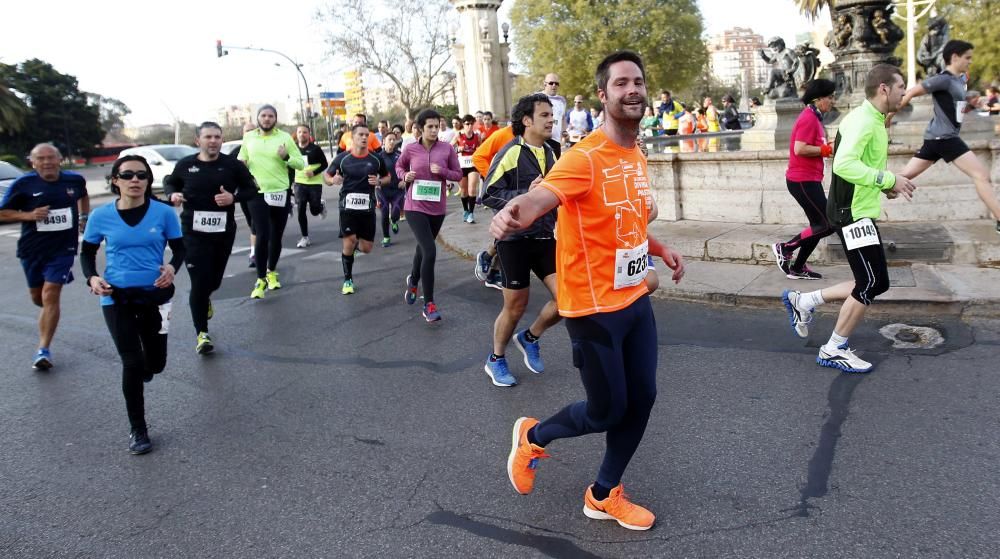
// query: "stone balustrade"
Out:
[749,187]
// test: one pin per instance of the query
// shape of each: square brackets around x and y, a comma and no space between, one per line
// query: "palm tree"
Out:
[812,8]
[13,112]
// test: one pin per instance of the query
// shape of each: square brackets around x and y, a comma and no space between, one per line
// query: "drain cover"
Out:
[904,336]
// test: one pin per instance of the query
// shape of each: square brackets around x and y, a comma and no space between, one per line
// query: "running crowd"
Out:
[571,198]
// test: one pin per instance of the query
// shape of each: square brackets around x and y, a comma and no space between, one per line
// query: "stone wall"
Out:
[749,187]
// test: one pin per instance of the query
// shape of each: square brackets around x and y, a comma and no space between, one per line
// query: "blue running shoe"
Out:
[483,264]
[410,295]
[797,317]
[531,351]
[494,279]
[499,373]
[43,360]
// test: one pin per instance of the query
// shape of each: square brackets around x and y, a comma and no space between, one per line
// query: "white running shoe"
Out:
[842,358]
[303,242]
[322,212]
[798,317]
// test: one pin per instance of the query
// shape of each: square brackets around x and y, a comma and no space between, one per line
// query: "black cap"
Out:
[818,88]
[267,107]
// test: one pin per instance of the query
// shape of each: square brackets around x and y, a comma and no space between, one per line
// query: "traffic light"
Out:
[218,48]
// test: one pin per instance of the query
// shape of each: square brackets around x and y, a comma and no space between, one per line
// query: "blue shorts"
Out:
[58,269]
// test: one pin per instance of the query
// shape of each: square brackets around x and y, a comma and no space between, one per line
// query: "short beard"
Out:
[264,128]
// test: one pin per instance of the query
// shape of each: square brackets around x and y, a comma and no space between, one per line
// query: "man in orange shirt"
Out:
[346,140]
[602,190]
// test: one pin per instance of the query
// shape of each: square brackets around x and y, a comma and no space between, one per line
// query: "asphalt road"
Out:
[333,426]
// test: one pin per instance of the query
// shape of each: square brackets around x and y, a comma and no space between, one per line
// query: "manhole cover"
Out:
[904,336]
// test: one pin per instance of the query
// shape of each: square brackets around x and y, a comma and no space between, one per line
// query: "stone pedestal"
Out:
[774,125]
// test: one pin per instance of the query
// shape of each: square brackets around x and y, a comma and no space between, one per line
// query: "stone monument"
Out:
[863,36]
[481,59]
[777,115]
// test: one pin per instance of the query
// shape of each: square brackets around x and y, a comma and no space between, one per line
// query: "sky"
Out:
[159,57]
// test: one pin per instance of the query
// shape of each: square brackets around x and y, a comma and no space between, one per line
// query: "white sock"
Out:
[811,300]
[251,252]
[835,341]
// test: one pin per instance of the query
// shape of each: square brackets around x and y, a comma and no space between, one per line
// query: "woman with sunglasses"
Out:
[136,286]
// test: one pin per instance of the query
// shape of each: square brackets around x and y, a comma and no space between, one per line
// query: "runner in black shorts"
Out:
[358,173]
[941,139]
[516,169]
[207,184]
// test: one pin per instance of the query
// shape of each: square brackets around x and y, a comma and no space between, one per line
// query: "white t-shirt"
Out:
[558,113]
[447,136]
[578,121]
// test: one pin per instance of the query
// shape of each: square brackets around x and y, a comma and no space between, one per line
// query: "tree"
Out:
[405,41]
[812,8]
[112,113]
[13,112]
[59,111]
[973,21]
[570,37]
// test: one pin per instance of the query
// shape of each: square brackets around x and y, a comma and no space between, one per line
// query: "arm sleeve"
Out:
[383,170]
[246,187]
[454,170]
[570,177]
[936,83]
[498,189]
[403,163]
[88,259]
[322,159]
[483,155]
[847,162]
[179,252]
[295,160]
[173,183]
[241,155]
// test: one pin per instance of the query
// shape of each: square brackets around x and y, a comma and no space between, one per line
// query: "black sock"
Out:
[348,261]
[465,203]
[531,436]
[494,357]
[600,492]
[530,337]
[472,203]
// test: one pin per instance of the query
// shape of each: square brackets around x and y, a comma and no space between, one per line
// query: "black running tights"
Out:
[810,196]
[425,228]
[143,351]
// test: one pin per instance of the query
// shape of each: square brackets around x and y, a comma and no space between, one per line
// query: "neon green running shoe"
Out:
[258,289]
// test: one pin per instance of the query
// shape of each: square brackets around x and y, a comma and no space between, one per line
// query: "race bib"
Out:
[575,137]
[276,199]
[427,191]
[860,234]
[57,220]
[960,111]
[357,201]
[631,265]
[465,161]
[209,222]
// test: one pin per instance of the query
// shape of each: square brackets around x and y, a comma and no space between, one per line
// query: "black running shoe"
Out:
[805,273]
[138,442]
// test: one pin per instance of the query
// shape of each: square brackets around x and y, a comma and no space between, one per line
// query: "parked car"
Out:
[232,148]
[8,174]
[161,158]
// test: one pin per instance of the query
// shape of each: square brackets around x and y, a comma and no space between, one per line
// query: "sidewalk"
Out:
[939,268]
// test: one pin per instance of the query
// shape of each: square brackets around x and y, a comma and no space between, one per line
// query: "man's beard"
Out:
[265,128]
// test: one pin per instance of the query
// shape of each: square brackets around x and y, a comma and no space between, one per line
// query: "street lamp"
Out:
[298,67]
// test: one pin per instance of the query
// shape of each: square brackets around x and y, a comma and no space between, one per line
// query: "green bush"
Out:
[14,160]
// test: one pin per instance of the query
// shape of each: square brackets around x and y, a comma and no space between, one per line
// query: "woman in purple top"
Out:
[425,167]
[804,178]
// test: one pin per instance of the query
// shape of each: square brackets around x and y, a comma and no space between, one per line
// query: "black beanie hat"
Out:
[818,88]
[266,107]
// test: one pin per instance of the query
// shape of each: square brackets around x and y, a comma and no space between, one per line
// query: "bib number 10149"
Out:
[860,234]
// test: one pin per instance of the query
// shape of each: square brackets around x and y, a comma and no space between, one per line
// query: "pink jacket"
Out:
[417,158]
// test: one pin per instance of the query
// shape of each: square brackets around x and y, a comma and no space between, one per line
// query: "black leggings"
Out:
[143,351]
[616,353]
[425,228]
[392,203]
[206,257]
[310,195]
[810,196]
[269,224]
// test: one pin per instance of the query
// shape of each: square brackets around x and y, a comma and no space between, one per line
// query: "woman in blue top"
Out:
[137,286]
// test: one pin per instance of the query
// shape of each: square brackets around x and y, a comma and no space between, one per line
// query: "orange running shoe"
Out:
[524,457]
[618,507]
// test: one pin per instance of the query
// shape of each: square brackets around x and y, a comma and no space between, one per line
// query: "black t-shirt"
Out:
[389,160]
[199,182]
[313,155]
[355,171]
[57,234]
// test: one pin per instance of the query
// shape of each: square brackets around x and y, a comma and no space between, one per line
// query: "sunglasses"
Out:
[552,83]
[129,175]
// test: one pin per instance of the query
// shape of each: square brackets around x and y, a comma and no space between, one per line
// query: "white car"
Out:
[161,159]
[231,148]
[8,174]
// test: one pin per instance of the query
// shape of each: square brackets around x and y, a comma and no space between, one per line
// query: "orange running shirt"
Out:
[347,140]
[483,157]
[601,244]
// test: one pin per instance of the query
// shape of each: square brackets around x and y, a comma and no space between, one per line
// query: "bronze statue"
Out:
[808,56]
[840,37]
[881,26]
[929,55]
[783,67]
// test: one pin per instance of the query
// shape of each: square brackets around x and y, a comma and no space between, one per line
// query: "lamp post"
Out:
[220,51]
[911,17]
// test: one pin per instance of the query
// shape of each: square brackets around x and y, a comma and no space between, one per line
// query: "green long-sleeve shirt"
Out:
[260,152]
[859,167]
